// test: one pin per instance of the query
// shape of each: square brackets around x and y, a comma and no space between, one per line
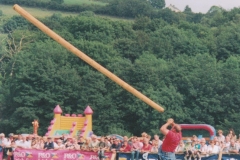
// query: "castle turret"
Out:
[57,116]
[88,114]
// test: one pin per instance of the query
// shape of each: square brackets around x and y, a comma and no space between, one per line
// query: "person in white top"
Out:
[233,147]
[221,137]
[226,144]
[24,143]
[212,148]
[4,142]
[59,144]
[19,139]
[180,148]
[204,147]
[156,138]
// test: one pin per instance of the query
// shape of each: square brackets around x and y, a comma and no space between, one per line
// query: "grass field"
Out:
[84,2]
[36,12]
[41,13]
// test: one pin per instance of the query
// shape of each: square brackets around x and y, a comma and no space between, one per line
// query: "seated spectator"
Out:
[101,148]
[231,134]
[136,148]
[226,144]
[49,144]
[64,138]
[188,152]
[81,142]
[75,145]
[68,144]
[10,150]
[233,147]
[146,146]
[39,143]
[24,143]
[115,147]
[204,147]
[220,137]
[155,147]
[108,144]
[93,145]
[157,139]
[216,142]
[180,148]
[86,144]
[19,139]
[197,150]
[213,148]
[59,144]
[125,147]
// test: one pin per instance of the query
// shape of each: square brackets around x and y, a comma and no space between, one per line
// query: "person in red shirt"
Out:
[126,147]
[146,146]
[171,141]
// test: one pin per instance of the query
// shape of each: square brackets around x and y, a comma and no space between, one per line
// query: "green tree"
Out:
[157,3]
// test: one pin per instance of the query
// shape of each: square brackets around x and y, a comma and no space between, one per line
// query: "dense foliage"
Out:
[187,62]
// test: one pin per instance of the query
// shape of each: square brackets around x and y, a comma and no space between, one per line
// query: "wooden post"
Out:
[84,57]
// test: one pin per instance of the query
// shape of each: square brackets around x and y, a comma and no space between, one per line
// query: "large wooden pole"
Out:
[84,57]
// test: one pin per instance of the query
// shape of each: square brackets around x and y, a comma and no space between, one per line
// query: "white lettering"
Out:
[19,154]
[44,155]
[70,156]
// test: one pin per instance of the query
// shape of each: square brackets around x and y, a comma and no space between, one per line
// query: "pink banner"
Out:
[32,154]
[1,155]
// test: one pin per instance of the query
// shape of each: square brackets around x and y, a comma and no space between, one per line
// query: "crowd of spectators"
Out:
[192,148]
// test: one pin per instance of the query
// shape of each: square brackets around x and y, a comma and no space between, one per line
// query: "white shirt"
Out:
[213,150]
[25,144]
[221,138]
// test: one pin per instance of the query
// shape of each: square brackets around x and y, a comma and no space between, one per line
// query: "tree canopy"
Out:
[187,62]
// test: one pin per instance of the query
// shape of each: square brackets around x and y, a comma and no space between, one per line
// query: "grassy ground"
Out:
[84,2]
[36,12]
[41,13]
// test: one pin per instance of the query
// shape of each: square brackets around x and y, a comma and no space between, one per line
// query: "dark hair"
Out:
[233,133]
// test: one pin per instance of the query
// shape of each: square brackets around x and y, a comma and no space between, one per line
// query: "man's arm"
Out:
[164,129]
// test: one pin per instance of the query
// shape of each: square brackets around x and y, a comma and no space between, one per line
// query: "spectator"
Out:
[19,139]
[59,145]
[136,147]
[49,144]
[81,142]
[232,134]
[180,148]
[75,145]
[188,149]
[226,144]
[213,148]
[233,147]
[93,145]
[146,146]
[216,142]
[86,144]
[64,138]
[125,147]
[39,143]
[68,144]
[204,147]
[115,147]
[108,144]
[24,143]
[101,148]
[155,147]
[220,137]
[157,139]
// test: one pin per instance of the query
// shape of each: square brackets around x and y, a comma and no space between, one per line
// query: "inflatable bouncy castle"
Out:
[71,125]
[211,130]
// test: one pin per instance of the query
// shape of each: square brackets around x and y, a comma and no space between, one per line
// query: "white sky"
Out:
[203,5]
